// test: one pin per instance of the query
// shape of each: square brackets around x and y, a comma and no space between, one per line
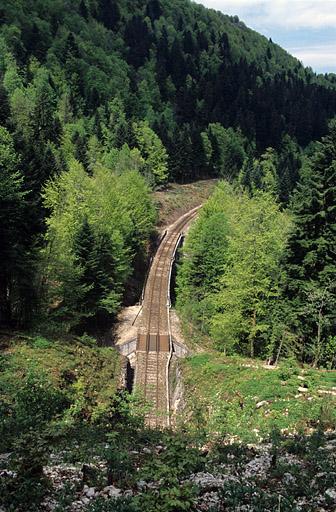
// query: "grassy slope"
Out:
[86,377]
[228,389]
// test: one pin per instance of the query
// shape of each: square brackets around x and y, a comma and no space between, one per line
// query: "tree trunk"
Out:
[5,310]
[254,323]
[279,351]
[319,336]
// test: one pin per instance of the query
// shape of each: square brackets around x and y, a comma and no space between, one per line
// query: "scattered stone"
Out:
[327,392]
[258,466]
[141,484]
[288,479]
[261,404]
[331,493]
[112,491]
[209,482]
[300,377]
[303,390]
[147,450]
[90,492]
[4,456]
[85,500]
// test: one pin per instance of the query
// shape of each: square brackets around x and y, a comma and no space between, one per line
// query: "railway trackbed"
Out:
[154,343]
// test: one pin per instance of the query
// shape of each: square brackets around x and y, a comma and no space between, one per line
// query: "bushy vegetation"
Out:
[52,395]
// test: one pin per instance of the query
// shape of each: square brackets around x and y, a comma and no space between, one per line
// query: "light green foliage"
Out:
[97,225]
[203,263]
[230,276]
[153,152]
[251,278]
[124,159]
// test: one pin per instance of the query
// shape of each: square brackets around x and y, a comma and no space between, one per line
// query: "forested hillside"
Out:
[165,90]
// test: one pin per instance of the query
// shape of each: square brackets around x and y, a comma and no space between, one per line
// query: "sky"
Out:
[305,28]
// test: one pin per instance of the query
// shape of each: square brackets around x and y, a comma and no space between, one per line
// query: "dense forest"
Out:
[102,101]
[259,279]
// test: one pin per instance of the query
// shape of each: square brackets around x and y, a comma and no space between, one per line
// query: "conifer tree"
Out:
[311,261]
[11,200]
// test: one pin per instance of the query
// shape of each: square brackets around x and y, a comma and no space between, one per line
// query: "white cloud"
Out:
[318,57]
[283,13]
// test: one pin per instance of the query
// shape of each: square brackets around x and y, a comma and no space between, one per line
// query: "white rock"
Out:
[85,500]
[209,481]
[258,466]
[303,390]
[288,479]
[327,392]
[141,484]
[112,491]
[261,404]
[5,456]
[90,492]
[146,450]
[300,377]
[331,493]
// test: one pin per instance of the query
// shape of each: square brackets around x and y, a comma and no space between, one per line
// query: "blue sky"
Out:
[305,28]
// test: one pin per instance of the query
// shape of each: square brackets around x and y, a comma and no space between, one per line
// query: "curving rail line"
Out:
[154,337]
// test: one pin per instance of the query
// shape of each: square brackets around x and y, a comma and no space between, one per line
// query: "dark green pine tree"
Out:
[311,261]
[98,285]
[84,249]
[154,10]
[16,265]
[83,10]
[289,164]
[109,13]
[4,106]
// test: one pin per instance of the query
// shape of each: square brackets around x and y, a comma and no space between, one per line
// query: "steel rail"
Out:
[157,276]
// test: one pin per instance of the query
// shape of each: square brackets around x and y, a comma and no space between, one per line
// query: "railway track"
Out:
[154,346]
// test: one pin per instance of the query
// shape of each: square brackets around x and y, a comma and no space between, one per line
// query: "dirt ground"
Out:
[127,327]
[177,199]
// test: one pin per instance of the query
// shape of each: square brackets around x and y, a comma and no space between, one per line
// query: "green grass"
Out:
[227,391]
